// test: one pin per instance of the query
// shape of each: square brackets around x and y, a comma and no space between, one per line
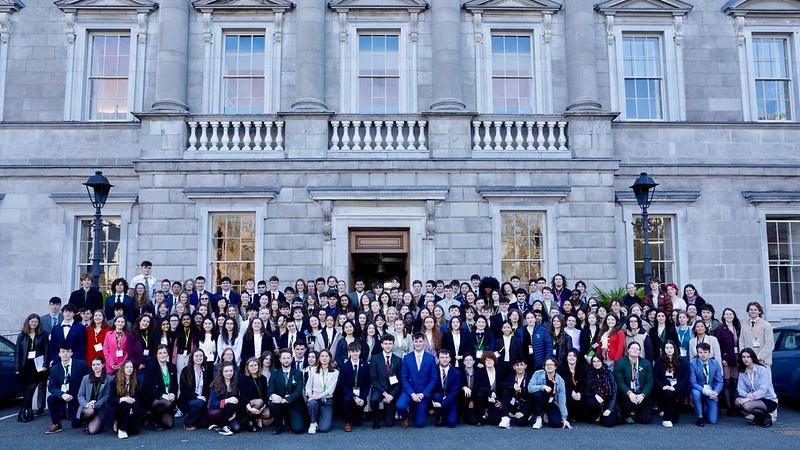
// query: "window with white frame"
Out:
[232,248]
[772,77]
[512,73]
[642,59]
[663,252]
[522,247]
[244,73]
[378,72]
[783,249]
[109,248]
[108,75]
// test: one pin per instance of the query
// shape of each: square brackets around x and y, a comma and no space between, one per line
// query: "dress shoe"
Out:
[54,429]
[404,423]
[767,422]
[189,428]
[39,412]
[700,422]
[347,427]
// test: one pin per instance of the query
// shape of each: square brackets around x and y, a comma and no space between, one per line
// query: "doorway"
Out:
[378,254]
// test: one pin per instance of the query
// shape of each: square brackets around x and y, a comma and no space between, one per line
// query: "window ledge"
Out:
[195,194]
[664,196]
[378,193]
[114,198]
[516,193]
[757,198]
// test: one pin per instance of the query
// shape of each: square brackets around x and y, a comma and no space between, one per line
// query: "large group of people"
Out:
[476,353]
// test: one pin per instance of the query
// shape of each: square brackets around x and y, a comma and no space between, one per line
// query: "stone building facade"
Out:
[402,137]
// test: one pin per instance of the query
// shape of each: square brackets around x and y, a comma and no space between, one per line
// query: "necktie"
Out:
[419,361]
[286,377]
[119,298]
[55,321]
[752,324]
[388,365]
[469,381]
[66,374]
[705,371]
[147,286]
[444,378]
[85,295]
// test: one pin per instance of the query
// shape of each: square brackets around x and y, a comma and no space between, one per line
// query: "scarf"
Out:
[600,382]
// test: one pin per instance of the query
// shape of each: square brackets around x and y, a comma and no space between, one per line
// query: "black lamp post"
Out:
[644,187]
[98,188]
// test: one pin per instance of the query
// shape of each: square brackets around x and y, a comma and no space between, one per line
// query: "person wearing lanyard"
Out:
[548,395]
[65,380]
[484,340]
[757,335]
[573,372]
[516,398]
[384,375]
[469,404]
[115,345]
[457,341]
[123,401]
[185,342]
[661,332]
[140,346]
[756,393]
[684,332]
[706,382]
[253,389]
[728,336]
[96,334]
[634,376]
[355,387]
[444,397]
[160,390]
[701,336]
[590,337]
[194,392]
[93,397]
[601,393]
[285,395]
[671,379]
[31,361]
[224,401]
[320,388]
[507,348]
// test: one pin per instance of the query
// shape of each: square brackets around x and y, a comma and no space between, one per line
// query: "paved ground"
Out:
[733,433]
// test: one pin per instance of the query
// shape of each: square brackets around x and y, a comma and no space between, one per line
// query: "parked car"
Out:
[9,385]
[786,362]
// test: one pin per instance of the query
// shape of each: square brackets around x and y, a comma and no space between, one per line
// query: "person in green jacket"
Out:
[634,377]
[285,395]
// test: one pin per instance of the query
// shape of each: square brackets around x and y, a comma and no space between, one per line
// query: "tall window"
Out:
[378,73]
[783,248]
[108,76]
[644,79]
[512,74]
[244,73]
[109,248]
[662,249]
[522,244]
[233,243]
[773,81]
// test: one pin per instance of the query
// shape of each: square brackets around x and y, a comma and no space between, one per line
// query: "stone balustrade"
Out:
[386,134]
[235,134]
[518,134]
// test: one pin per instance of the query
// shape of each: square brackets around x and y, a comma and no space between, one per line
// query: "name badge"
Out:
[98,347]
[146,352]
[513,401]
[119,353]
[393,380]
[210,358]
[756,343]
[530,349]
[479,354]
[64,388]
[673,382]
[683,353]
[736,350]
[555,351]
[32,354]
[498,354]
[357,392]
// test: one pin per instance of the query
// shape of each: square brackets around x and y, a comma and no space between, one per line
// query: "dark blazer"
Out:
[127,303]
[514,352]
[681,375]
[380,379]
[483,342]
[249,347]
[253,388]
[136,353]
[521,307]
[291,392]
[281,298]
[92,300]
[78,370]
[467,346]
[418,381]
[347,379]
[496,324]
[283,340]
[579,385]
[355,297]
[483,390]
[24,346]
[194,298]
[233,297]
[188,393]
[622,373]
[76,338]
[85,392]
[447,393]
[366,355]
[587,340]
[658,343]
[47,322]
[154,386]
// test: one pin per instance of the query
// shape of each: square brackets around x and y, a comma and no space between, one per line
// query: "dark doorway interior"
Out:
[379,267]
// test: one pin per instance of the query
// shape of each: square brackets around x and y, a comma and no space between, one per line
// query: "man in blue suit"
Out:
[706,378]
[65,381]
[229,294]
[355,383]
[444,398]
[120,296]
[199,291]
[68,332]
[418,377]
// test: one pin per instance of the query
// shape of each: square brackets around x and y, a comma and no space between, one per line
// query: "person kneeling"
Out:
[444,397]
[756,393]
[706,380]
[549,396]
[516,399]
[93,397]
[64,384]
[224,401]
[285,395]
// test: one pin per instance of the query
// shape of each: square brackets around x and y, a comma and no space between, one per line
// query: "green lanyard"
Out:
[355,377]
[165,377]
[96,390]
[258,388]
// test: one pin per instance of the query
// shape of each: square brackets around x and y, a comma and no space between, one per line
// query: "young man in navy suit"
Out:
[384,374]
[418,377]
[355,383]
[65,381]
[706,378]
[444,398]
[120,296]
[199,291]
[68,332]
[229,294]
[86,296]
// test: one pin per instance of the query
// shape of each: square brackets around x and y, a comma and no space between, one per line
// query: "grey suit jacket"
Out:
[47,322]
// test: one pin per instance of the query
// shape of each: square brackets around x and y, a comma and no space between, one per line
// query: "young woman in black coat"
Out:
[160,391]
[31,344]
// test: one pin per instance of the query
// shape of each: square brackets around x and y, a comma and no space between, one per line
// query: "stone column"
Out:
[309,81]
[173,55]
[447,72]
[581,55]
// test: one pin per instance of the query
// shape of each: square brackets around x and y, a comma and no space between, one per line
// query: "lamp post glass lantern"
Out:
[98,188]
[644,188]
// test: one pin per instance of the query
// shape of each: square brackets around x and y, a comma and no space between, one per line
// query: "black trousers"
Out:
[595,409]
[642,413]
[542,405]
[389,409]
[127,418]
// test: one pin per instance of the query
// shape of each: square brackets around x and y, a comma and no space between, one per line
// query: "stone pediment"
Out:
[639,7]
[512,5]
[762,7]
[106,5]
[407,5]
[242,5]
